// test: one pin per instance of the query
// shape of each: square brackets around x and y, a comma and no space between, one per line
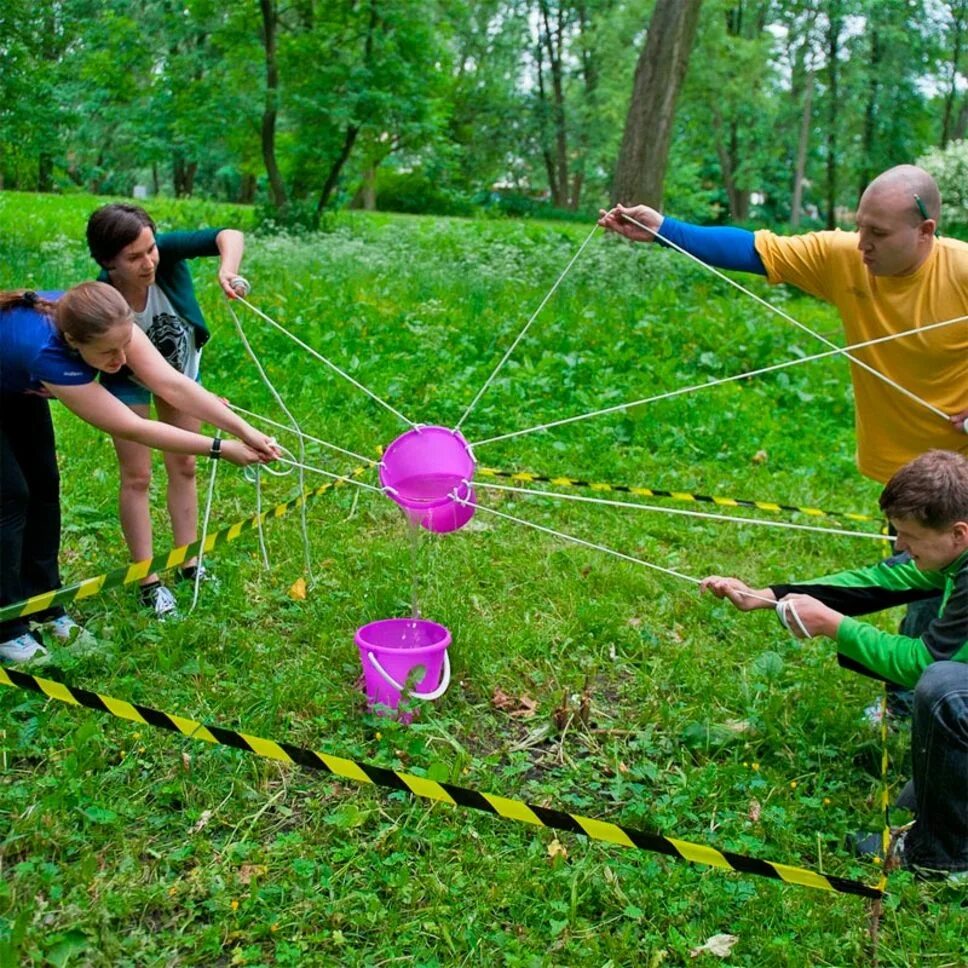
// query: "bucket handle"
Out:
[390,681]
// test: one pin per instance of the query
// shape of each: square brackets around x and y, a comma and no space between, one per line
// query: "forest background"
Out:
[733,110]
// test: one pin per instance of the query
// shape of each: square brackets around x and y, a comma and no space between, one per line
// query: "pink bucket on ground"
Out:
[423,469]
[392,648]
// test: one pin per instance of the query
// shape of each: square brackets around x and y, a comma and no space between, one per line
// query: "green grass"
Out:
[127,846]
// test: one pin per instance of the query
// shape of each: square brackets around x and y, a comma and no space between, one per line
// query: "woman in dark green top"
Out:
[151,272]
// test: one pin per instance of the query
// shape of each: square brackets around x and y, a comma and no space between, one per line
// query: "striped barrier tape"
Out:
[127,574]
[528,477]
[457,796]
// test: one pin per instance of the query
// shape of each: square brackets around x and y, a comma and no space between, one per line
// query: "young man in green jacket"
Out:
[927,503]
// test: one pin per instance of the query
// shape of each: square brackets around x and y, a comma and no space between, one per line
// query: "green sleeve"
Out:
[897,658]
[174,246]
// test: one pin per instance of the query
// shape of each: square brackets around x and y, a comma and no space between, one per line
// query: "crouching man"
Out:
[927,503]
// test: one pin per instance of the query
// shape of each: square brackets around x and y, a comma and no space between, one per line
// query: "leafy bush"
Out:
[416,193]
[950,168]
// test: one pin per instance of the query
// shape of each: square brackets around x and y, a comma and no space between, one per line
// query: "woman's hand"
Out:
[233,285]
[746,599]
[266,447]
[242,455]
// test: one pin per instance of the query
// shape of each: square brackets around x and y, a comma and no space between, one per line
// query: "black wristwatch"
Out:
[216,452]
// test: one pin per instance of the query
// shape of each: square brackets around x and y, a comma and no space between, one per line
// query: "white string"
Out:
[319,356]
[205,517]
[335,477]
[527,326]
[289,430]
[258,517]
[581,541]
[785,610]
[668,395]
[682,511]
[781,607]
[784,315]
[303,523]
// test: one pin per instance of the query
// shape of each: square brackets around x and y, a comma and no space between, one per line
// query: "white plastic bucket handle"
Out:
[390,681]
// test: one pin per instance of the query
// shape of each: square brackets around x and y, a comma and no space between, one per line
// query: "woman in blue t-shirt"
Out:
[54,346]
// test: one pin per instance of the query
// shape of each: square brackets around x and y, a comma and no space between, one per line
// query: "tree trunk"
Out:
[553,45]
[247,189]
[869,133]
[796,204]
[45,172]
[332,178]
[277,189]
[662,65]
[834,25]
[959,13]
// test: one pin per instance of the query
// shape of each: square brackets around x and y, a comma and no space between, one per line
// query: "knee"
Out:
[136,480]
[939,681]
[181,467]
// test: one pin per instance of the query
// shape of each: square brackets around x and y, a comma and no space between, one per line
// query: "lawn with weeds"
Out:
[581,682]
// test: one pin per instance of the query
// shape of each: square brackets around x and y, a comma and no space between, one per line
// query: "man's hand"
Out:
[613,221]
[746,599]
[815,618]
[958,420]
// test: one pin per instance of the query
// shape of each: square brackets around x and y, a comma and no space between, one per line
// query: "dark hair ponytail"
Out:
[25,299]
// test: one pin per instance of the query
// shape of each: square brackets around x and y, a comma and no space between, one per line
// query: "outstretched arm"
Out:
[231,246]
[151,368]
[91,402]
[718,245]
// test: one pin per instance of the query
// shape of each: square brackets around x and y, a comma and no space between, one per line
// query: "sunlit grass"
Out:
[137,848]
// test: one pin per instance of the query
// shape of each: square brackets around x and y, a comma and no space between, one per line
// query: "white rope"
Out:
[319,356]
[289,430]
[335,477]
[787,610]
[682,511]
[527,326]
[205,517]
[581,541]
[784,315]
[303,523]
[258,518]
[784,609]
[668,395]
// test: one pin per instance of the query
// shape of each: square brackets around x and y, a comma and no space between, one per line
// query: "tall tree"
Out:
[659,73]
[270,111]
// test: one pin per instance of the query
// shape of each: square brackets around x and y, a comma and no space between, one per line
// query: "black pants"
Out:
[29,507]
[939,748]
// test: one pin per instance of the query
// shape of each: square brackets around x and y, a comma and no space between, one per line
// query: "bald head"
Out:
[898,186]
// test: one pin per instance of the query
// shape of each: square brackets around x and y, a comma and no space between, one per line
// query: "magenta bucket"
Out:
[392,648]
[427,471]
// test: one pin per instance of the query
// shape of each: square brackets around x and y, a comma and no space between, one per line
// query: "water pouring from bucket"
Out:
[427,471]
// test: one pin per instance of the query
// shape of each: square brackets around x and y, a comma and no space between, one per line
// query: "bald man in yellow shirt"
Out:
[891,275]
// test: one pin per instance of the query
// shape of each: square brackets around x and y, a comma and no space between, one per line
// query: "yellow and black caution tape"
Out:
[424,788]
[528,477]
[127,574]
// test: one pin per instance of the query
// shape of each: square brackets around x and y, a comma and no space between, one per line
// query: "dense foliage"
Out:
[443,106]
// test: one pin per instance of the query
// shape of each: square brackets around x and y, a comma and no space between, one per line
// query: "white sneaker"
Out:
[160,599]
[69,633]
[22,649]
[64,628]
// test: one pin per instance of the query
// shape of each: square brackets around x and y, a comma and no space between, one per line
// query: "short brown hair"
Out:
[114,226]
[932,490]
